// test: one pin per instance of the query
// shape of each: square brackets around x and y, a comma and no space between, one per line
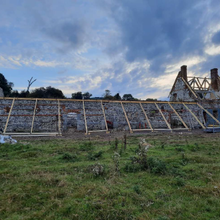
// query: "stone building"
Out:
[1,92]
[187,88]
[205,91]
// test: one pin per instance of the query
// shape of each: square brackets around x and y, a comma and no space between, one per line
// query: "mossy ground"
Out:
[51,179]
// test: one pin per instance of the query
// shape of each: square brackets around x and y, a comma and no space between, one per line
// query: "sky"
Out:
[127,46]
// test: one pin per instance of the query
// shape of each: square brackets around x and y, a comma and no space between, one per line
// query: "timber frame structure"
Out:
[58,114]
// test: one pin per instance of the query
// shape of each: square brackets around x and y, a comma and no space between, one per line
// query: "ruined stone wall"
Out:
[181,93]
[72,115]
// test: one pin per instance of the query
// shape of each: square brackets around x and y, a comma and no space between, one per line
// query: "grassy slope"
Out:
[50,179]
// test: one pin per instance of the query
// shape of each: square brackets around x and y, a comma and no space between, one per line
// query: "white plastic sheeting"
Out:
[7,139]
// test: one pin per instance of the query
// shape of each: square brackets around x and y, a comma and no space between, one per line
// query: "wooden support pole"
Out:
[9,114]
[32,125]
[208,113]
[146,118]
[194,116]
[84,112]
[168,125]
[178,116]
[126,118]
[59,118]
[189,88]
[103,110]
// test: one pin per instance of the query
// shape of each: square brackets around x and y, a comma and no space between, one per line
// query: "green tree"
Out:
[48,92]
[107,95]
[77,95]
[5,85]
[87,95]
[117,96]
[128,97]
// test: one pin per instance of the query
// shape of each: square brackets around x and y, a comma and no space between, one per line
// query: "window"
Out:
[215,113]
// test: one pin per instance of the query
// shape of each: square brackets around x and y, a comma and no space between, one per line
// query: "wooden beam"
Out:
[189,88]
[103,110]
[94,100]
[84,112]
[144,129]
[126,118]
[209,113]
[146,118]
[9,114]
[32,125]
[178,116]
[168,125]
[93,131]
[59,118]
[194,116]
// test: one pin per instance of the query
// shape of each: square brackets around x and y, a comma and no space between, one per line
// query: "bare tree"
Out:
[30,82]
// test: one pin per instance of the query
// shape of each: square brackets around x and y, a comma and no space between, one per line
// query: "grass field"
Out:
[178,177]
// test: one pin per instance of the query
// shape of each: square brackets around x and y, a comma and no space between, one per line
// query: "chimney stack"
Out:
[214,79]
[184,72]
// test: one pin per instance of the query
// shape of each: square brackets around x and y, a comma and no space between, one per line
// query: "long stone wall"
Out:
[71,113]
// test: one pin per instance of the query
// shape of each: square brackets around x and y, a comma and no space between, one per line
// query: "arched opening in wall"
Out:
[215,113]
[205,116]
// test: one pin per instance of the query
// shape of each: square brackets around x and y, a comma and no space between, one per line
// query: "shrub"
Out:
[69,157]
[132,167]
[179,181]
[156,166]
[137,189]
[97,169]
[95,156]
[86,146]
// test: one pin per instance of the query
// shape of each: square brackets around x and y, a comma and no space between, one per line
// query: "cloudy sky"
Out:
[126,46]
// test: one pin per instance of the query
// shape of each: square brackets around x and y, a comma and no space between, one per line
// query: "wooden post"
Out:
[168,125]
[32,125]
[208,113]
[194,116]
[146,118]
[84,111]
[9,114]
[178,116]
[126,118]
[59,118]
[103,110]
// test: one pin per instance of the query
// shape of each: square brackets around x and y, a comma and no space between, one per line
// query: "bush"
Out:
[179,182]
[95,156]
[69,157]
[137,189]
[97,169]
[132,167]
[156,166]
[87,146]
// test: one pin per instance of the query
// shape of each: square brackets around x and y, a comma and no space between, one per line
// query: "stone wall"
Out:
[72,115]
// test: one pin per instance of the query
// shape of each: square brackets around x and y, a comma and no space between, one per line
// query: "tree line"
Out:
[51,92]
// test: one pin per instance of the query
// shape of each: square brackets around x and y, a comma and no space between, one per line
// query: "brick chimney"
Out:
[184,72]
[214,79]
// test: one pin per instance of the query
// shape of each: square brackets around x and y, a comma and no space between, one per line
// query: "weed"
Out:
[137,189]
[116,143]
[116,160]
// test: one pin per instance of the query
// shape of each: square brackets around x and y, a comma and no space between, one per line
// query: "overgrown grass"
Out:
[53,179]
